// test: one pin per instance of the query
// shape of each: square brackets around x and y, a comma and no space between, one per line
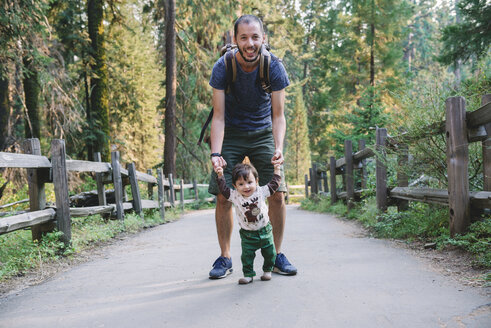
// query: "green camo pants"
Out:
[251,242]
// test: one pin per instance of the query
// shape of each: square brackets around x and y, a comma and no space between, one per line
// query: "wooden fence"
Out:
[460,128]
[40,170]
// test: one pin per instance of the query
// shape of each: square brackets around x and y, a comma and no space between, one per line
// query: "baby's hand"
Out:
[219,171]
[277,169]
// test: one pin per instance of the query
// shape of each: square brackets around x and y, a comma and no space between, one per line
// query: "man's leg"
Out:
[224,222]
[277,214]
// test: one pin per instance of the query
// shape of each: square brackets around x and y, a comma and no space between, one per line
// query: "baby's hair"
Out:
[243,170]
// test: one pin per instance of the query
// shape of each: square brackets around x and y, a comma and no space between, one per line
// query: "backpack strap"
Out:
[230,68]
[208,120]
[264,64]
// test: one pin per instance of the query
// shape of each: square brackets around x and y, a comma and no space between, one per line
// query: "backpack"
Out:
[229,51]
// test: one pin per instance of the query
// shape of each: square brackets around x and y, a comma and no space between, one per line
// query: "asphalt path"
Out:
[159,278]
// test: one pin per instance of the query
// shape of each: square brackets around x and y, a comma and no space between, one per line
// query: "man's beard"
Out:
[248,60]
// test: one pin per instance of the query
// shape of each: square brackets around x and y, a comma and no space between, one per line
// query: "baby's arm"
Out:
[222,183]
[274,184]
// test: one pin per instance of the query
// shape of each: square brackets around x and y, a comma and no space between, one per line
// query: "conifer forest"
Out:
[132,75]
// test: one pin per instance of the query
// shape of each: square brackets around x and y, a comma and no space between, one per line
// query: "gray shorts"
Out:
[258,146]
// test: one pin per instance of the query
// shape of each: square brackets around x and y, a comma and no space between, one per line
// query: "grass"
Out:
[19,254]
[421,222]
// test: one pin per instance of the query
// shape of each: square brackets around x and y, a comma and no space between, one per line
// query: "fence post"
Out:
[363,178]
[101,189]
[60,183]
[486,150]
[150,186]
[160,187]
[182,194]
[381,172]
[332,171]
[135,188]
[118,185]
[287,196]
[324,178]
[37,195]
[314,187]
[171,189]
[306,186]
[402,178]
[457,165]
[195,187]
[350,181]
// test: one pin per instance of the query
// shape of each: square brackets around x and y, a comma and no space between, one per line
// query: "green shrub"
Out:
[421,222]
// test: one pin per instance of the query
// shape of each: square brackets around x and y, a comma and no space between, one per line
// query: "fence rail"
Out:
[42,170]
[459,127]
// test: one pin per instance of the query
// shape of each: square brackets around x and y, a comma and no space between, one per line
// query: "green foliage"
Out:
[134,88]
[18,253]
[477,241]
[422,222]
[423,104]
[297,141]
[469,37]
[341,85]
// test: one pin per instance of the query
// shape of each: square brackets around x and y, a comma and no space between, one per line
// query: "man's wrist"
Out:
[215,155]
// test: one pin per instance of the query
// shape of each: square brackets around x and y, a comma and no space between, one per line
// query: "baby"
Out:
[249,201]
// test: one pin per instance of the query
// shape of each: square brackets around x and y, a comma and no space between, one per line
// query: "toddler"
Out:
[249,200]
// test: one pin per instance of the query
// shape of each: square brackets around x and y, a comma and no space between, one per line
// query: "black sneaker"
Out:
[283,266]
[221,268]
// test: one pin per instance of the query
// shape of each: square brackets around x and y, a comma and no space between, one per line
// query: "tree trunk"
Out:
[99,106]
[170,89]
[31,94]
[4,108]
[372,56]
[458,62]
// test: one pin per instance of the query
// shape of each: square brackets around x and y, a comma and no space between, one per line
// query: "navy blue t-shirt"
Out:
[249,108]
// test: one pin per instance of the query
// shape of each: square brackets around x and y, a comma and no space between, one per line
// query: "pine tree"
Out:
[134,87]
[98,113]
[297,152]
[471,36]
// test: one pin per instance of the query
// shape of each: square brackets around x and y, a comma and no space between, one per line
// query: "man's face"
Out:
[249,39]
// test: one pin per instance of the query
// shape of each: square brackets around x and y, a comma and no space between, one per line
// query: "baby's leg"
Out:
[269,254]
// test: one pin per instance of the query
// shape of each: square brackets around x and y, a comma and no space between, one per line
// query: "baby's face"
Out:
[246,187]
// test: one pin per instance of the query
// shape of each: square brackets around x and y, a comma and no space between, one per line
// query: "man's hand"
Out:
[277,157]
[218,162]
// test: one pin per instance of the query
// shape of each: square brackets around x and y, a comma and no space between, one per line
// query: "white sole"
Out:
[276,270]
[229,271]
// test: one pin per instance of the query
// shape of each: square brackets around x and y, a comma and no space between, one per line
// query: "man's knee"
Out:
[223,203]
[277,199]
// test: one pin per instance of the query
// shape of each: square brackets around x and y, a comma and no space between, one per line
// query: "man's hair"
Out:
[243,170]
[247,19]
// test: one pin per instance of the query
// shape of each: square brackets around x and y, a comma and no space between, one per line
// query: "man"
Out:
[248,122]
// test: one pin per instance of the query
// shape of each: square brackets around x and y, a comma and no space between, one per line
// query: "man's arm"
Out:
[279,124]
[218,127]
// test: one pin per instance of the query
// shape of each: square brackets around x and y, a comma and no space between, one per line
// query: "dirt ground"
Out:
[451,262]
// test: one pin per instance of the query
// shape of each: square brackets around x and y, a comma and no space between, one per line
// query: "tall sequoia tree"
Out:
[297,148]
[4,108]
[31,93]
[170,88]
[98,114]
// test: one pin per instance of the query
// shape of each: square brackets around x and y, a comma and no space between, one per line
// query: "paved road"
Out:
[159,279]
